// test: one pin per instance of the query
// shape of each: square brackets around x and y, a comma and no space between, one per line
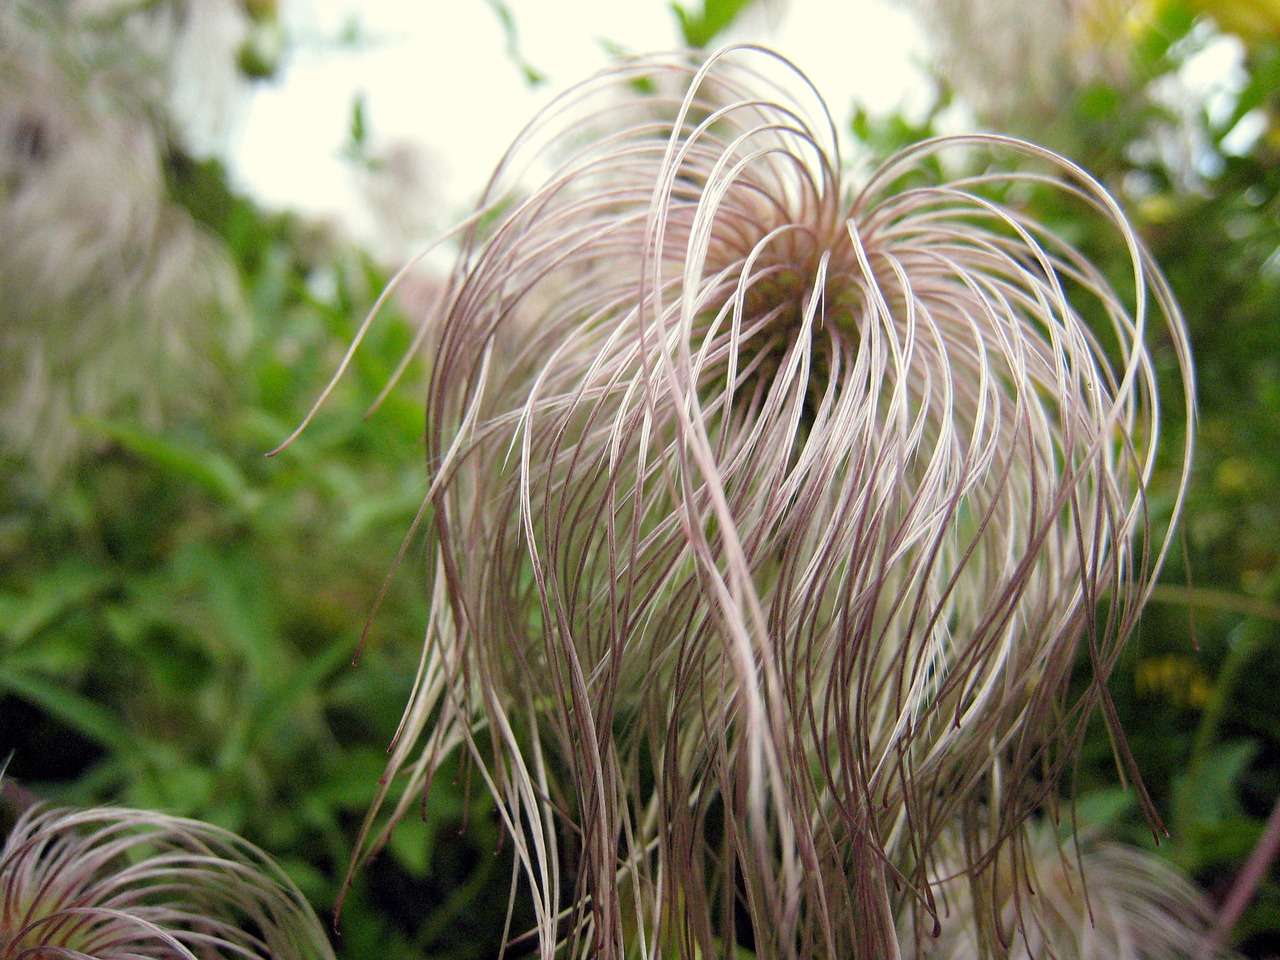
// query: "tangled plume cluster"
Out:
[112,884]
[770,517]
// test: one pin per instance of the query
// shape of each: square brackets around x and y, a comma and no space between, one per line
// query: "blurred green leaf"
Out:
[284,696]
[532,76]
[1100,809]
[699,28]
[76,710]
[209,468]
[24,614]
[1206,807]
[410,843]
[358,128]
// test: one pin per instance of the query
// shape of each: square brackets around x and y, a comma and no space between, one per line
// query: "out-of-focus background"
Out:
[201,199]
[423,85]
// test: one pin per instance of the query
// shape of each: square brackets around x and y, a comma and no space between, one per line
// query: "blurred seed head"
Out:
[113,302]
[771,515]
[398,181]
[1019,63]
[187,59]
[1093,901]
[109,883]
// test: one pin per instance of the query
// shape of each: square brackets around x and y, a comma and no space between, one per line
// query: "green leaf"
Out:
[410,843]
[1207,790]
[23,615]
[359,771]
[1209,825]
[1098,103]
[699,29]
[79,712]
[207,467]
[532,76]
[1101,808]
[359,127]
[283,697]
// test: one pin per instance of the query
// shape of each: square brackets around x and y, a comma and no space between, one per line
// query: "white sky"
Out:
[452,89]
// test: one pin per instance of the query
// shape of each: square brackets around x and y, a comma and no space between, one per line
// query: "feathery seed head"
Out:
[109,883]
[1097,901]
[110,295]
[770,516]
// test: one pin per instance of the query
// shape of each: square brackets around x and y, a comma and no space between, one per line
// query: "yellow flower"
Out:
[1174,678]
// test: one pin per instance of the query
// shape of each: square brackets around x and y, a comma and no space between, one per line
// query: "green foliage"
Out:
[700,27]
[178,621]
[532,76]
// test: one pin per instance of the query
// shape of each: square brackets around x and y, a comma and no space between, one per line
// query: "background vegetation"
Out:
[179,614]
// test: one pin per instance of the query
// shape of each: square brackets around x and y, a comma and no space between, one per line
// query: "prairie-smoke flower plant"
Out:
[109,883]
[769,516]
[113,302]
[1091,900]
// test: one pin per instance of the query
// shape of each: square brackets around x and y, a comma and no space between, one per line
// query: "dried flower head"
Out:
[1092,900]
[769,519]
[112,300]
[107,883]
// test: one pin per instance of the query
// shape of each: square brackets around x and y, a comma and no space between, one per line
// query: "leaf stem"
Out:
[1246,883]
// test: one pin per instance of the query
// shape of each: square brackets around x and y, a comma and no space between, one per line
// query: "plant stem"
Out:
[1246,883]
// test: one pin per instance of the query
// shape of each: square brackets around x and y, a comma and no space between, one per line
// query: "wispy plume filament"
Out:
[112,884]
[768,525]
